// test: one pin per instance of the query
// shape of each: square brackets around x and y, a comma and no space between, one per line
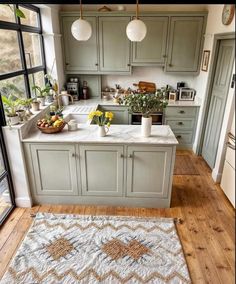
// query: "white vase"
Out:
[146,125]
[102,130]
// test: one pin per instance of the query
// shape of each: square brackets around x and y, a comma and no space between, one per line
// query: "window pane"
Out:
[31,17]
[32,47]
[36,79]
[5,199]
[10,60]
[15,86]
[7,13]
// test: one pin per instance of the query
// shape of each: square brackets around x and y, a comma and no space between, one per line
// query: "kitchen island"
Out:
[120,169]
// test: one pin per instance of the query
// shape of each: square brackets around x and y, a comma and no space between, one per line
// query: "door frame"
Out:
[7,173]
[209,87]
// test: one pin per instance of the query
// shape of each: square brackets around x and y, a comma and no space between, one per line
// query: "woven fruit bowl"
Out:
[50,130]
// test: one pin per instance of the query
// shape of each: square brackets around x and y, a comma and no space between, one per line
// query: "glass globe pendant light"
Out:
[136,29]
[81,29]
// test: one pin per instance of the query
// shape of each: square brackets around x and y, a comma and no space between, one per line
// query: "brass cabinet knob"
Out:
[178,136]
[180,123]
[181,111]
[96,64]
[130,156]
[128,64]
[121,155]
[170,65]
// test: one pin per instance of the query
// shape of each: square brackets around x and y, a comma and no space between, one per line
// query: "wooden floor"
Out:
[207,230]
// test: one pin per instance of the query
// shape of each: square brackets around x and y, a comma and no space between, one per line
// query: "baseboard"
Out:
[216,176]
[23,202]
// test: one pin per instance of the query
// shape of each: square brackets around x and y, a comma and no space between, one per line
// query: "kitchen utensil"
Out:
[147,87]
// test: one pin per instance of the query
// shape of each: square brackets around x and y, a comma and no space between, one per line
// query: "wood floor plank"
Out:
[206,230]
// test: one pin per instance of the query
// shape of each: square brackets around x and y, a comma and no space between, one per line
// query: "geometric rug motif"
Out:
[71,249]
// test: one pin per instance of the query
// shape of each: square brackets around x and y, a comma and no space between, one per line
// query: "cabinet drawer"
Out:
[180,123]
[181,111]
[184,137]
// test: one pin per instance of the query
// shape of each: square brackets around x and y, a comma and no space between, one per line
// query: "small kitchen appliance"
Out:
[186,94]
[73,89]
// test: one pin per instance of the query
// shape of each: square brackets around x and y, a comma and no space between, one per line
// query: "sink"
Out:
[82,109]
[78,117]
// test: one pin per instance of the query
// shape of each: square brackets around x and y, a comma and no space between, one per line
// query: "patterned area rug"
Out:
[70,249]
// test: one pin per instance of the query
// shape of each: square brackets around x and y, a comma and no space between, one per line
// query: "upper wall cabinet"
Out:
[185,40]
[114,46]
[152,50]
[80,56]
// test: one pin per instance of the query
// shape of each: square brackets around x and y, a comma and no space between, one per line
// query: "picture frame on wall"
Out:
[205,60]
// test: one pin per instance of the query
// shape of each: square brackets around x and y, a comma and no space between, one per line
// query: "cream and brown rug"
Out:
[70,249]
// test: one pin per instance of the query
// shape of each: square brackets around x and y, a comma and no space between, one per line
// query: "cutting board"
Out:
[148,87]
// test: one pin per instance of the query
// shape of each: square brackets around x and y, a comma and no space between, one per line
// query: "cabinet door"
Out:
[185,39]
[54,168]
[152,50]
[121,115]
[102,170]
[149,171]
[114,44]
[80,56]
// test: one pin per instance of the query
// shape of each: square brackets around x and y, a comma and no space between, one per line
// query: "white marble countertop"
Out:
[118,134]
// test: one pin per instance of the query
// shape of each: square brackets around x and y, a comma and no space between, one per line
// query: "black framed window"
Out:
[22,58]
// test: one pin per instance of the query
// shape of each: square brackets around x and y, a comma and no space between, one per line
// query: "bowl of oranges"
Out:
[51,124]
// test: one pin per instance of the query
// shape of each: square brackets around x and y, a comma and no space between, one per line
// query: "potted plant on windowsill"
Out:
[43,92]
[11,105]
[146,104]
[26,104]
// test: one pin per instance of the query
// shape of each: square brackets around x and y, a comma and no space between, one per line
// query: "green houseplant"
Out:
[11,105]
[41,93]
[146,104]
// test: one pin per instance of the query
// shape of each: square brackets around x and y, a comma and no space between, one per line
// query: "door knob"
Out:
[121,155]
[73,155]
[130,156]
[96,64]
[128,65]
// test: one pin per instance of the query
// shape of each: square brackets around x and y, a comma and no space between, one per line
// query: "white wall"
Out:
[214,26]
[149,74]
[52,42]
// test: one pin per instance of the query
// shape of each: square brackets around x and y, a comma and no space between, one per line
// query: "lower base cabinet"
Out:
[52,169]
[148,171]
[118,175]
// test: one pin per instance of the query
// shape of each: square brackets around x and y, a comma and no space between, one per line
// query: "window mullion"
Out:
[23,60]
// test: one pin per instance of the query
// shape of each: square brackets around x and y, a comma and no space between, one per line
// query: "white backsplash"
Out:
[149,74]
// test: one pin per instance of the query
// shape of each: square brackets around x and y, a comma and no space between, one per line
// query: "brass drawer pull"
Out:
[130,156]
[178,136]
[181,111]
[121,155]
[170,65]
[180,123]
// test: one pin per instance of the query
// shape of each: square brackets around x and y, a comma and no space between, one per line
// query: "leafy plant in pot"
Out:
[11,105]
[145,104]
[43,92]
[26,103]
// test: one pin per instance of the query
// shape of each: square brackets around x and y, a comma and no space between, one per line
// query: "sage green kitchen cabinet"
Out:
[53,169]
[102,170]
[152,49]
[114,45]
[80,56]
[184,44]
[121,114]
[148,171]
[183,122]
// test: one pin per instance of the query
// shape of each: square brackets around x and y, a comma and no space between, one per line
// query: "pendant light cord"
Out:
[137,9]
[81,9]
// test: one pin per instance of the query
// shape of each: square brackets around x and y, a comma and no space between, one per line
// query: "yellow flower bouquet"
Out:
[101,118]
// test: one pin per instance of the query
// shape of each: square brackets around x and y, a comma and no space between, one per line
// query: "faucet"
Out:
[60,95]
